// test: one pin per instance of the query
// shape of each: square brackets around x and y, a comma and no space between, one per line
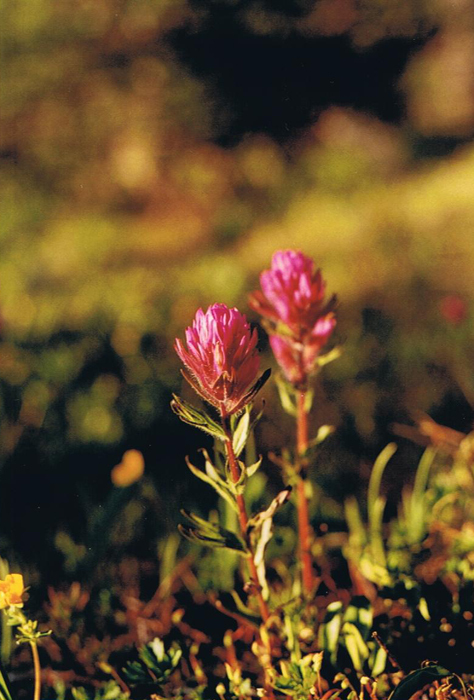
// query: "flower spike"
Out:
[221,358]
[299,319]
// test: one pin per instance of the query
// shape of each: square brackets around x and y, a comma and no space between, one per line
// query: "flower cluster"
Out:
[221,358]
[11,591]
[300,320]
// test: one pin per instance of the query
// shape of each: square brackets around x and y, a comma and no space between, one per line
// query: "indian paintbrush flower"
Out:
[299,319]
[221,358]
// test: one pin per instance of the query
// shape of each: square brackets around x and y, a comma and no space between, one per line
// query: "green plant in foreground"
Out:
[11,602]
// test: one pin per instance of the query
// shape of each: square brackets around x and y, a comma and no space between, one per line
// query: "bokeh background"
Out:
[154,154]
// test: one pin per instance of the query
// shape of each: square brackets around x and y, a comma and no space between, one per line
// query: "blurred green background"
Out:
[154,154]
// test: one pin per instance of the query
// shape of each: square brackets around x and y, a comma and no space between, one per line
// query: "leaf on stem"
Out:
[333,354]
[212,477]
[193,416]
[286,394]
[211,535]
[244,610]
[259,384]
[260,528]
[323,432]
[253,467]
[241,432]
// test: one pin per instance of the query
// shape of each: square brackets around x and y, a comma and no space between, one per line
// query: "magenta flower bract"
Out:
[221,358]
[300,319]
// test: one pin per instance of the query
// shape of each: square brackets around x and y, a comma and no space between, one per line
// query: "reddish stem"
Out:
[304,528]
[243,521]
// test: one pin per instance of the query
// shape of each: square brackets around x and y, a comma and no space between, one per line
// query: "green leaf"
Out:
[376,504]
[135,672]
[417,506]
[253,468]
[211,477]
[158,660]
[286,394]
[154,666]
[333,354]
[355,645]
[241,432]
[379,661]
[330,629]
[4,690]
[417,680]
[424,610]
[237,487]
[376,476]
[323,432]
[357,532]
[211,535]
[359,613]
[244,610]
[193,416]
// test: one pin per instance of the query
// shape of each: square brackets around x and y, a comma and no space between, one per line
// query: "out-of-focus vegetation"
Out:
[154,155]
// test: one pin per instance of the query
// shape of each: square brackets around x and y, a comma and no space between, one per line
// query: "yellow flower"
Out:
[11,591]
[129,470]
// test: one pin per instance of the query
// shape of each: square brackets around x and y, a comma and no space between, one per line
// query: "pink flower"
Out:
[221,358]
[300,320]
[298,360]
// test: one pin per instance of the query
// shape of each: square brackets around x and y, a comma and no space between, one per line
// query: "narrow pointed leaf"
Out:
[211,534]
[4,690]
[193,416]
[379,662]
[330,629]
[243,609]
[376,476]
[355,645]
[333,354]
[253,467]
[217,484]
[323,432]
[241,433]
[359,613]
[286,398]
